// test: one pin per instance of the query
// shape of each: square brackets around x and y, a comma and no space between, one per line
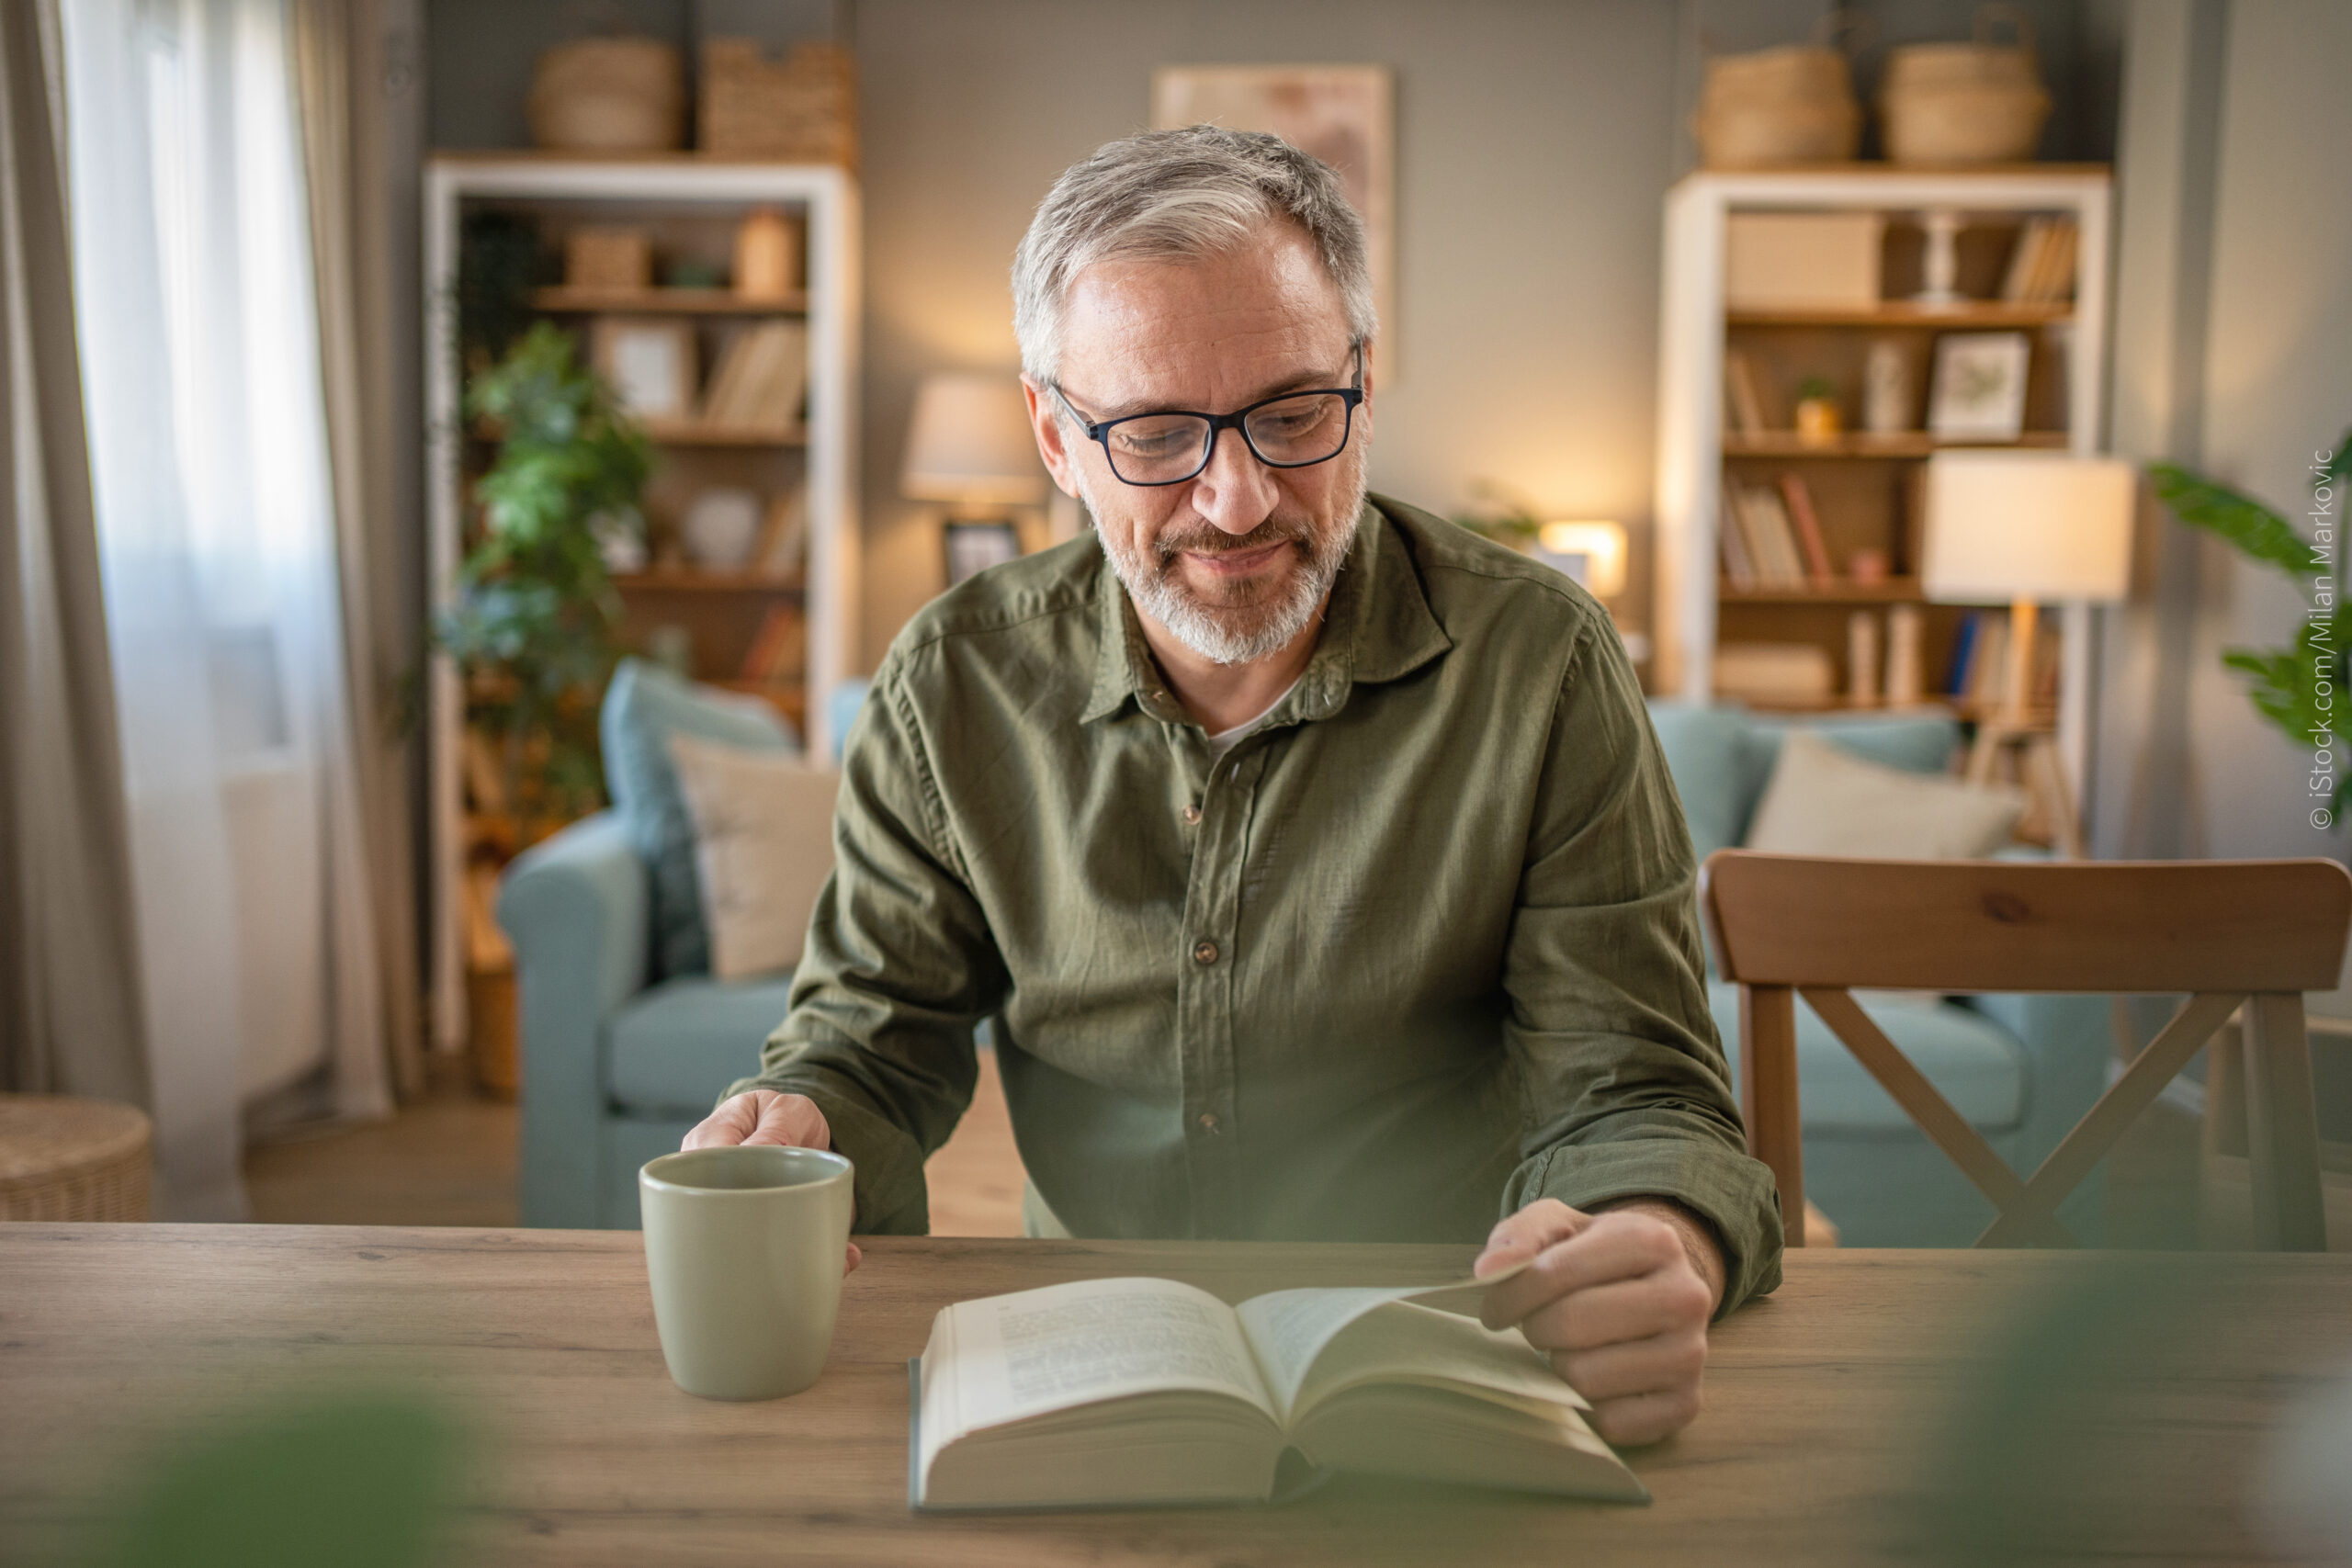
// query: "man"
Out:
[1315,857]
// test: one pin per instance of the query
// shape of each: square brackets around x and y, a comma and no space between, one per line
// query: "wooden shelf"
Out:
[1902,314]
[1838,590]
[690,433]
[1787,444]
[692,580]
[664,302]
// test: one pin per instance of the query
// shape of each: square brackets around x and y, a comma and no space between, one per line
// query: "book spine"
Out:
[1739,571]
[1798,497]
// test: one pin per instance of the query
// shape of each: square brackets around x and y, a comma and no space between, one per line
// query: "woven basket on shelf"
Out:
[71,1159]
[1948,104]
[608,95]
[1791,105]
[802,109]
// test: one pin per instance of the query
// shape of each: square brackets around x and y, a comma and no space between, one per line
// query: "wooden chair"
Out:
[2256,932]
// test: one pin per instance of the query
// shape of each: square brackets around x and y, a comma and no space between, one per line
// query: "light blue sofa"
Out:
[618,1065]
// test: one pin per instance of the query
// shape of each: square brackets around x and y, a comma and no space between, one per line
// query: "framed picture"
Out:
[650,364]
[1978,390]
[973,547]
[1343,114]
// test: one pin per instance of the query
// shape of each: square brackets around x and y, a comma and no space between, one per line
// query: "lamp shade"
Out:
[2002,526]
[1592,552]
[970,442]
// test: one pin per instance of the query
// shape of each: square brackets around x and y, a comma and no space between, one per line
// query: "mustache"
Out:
[1209,540]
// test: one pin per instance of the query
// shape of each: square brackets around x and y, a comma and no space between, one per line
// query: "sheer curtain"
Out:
[199,347]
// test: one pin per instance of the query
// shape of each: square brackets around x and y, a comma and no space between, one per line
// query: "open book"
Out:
[1147,1391]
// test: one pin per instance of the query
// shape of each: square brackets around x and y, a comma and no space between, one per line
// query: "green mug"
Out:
[745,1249]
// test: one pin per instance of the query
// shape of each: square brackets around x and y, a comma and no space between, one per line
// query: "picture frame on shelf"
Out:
[972,547]
[650,363]
[1978,391]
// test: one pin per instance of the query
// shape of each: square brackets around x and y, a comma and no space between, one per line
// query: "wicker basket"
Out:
[609,95]
[1791,105]
[803,110]
[71,1159]
[1948,103]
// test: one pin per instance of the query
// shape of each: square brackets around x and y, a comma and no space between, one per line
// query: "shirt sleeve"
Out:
[1629,1093]
[899,967]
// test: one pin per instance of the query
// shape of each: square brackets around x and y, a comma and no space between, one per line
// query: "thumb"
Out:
[1520,1235]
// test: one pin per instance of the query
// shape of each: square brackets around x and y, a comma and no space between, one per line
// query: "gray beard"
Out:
[1235,634]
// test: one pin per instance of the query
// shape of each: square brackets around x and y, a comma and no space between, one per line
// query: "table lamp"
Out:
[2018,527]
[1592,552]
[969,446]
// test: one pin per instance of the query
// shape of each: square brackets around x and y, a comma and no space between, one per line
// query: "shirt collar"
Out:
[1377,627]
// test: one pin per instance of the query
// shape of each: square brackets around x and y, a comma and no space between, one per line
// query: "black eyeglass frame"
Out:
[1100,431]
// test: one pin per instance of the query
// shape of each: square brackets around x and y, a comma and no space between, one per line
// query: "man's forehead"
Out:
[1263,315]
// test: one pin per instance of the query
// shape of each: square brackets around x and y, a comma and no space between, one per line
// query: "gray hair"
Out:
[1180,195]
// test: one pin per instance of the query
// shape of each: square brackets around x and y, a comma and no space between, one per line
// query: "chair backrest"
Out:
[2257,933]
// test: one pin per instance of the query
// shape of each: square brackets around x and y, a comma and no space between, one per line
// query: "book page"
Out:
[1016,1355]
[1400,1342]
[1288,1329]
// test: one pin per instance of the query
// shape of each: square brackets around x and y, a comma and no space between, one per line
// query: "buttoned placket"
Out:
[1207,975]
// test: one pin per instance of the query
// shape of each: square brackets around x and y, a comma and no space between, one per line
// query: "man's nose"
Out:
[1236,491]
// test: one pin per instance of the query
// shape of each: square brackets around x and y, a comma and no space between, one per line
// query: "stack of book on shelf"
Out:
[1980,663]
[2042,268]
[1770,535]
[760,381]
[779,651]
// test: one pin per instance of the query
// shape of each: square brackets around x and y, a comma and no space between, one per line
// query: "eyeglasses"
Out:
[1297,430]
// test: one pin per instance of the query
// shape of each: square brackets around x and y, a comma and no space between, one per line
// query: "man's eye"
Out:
[1154,440]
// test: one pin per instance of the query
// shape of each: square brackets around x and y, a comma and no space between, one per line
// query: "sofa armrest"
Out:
[576,907]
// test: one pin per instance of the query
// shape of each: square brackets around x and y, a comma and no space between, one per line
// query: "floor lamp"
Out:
[2019,528]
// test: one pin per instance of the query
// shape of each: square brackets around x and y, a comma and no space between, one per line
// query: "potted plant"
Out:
[534,622]
[2298,688]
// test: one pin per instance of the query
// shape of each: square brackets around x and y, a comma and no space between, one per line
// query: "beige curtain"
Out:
[69,974]
[341,72]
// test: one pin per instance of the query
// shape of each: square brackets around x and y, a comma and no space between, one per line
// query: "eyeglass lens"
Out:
[1292,432]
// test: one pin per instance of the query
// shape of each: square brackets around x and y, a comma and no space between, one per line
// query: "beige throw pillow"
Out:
[1824,801]
[763,846]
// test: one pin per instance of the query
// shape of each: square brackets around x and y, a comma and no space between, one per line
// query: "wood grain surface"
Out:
[1826,1437]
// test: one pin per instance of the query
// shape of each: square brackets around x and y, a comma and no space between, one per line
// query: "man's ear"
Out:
[1365,410]
[1045,421]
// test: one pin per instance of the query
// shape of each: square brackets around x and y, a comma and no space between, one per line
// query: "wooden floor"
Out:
[449,1160]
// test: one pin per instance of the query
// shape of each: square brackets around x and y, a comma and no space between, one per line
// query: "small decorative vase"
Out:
[1819,422]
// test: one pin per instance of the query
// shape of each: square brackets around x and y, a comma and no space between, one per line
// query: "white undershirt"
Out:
[1225,741]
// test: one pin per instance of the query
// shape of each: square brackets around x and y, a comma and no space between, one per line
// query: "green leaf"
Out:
[2254,528]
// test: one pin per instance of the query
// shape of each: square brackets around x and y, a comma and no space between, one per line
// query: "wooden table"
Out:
[1826,1437]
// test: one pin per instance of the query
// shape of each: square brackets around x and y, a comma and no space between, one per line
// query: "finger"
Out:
[1610,1246]
[789,1121]
[722,1128]
[1659,1364]
[1616,1314]
[849,1265]
[1646,1417]
[1527,1231]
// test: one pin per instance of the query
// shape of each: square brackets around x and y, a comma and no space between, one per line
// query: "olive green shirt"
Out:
[1422,948]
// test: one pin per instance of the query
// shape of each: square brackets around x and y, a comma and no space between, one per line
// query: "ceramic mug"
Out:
[745,1249]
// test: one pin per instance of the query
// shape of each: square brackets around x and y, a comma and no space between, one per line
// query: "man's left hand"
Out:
[1619,1300]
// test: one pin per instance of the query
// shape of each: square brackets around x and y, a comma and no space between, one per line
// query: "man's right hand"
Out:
[764,1116]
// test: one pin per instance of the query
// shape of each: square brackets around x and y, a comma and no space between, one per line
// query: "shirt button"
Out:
[1192,814]
[1209,1122]
[1205,953]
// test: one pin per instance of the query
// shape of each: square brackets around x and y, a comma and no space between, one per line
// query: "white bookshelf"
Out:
[675,190]
[1689,610]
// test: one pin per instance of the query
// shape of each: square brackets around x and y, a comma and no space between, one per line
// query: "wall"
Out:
[2234,356]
